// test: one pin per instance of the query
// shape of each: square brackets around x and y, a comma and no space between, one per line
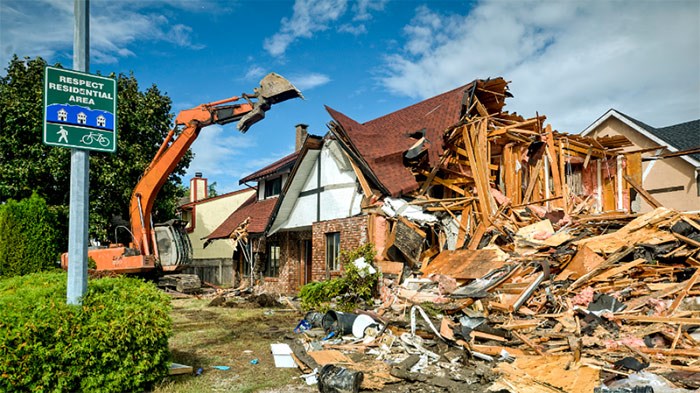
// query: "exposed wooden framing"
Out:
[503,130]
[366,189]
[535,174]
[482,190]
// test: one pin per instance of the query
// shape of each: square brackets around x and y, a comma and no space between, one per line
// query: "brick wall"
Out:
[353,233]
[290,261]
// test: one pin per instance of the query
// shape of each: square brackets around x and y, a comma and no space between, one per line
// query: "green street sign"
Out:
[80,110]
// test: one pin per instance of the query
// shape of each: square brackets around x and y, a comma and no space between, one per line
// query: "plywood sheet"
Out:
[464,264]
[329,356]
[583,262]
[549,374]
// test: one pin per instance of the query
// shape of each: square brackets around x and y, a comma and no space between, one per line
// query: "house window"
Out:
[272,269]
[186,215]
[273,187]
[333,251]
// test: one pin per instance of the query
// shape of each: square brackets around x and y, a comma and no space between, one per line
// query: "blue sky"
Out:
[568,60]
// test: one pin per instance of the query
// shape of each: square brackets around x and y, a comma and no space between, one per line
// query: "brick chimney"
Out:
[199,189]
[302,132]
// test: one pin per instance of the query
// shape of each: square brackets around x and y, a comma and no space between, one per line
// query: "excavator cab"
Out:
[174,246]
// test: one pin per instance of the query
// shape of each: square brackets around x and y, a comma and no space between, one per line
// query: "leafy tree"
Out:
[27,165]
[212,192]
[28,237]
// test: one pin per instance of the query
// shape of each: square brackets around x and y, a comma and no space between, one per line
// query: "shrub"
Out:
[355,287]
[28,237]
[116,341]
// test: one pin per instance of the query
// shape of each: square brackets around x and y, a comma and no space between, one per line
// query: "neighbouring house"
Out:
[203,214]
[670,158]
[82,118]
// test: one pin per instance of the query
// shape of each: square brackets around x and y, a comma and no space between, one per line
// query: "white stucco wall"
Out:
[209,214]
[339,198]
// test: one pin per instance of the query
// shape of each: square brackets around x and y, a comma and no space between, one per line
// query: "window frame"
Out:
[273,187]
[272,265]
[333,247]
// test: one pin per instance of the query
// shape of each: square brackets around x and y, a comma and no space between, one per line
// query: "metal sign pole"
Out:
[79,171]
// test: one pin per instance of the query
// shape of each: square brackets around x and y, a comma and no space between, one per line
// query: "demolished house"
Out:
[518,239]
[521,240]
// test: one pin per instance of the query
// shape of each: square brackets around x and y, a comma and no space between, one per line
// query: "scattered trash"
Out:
[222,368]
[310,378]
[302,326]
[361,323]
[282,354]
[255,361]
[314,318]
[333,379]
[338,322]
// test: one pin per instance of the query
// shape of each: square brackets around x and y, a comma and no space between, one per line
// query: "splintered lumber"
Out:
[620,269]
[608,262]
[652,319]
[684,292]
[647,197]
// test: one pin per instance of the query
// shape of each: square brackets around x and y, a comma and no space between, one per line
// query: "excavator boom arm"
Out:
[273,89]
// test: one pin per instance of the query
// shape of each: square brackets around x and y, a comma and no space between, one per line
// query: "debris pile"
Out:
[517,267]
[563,314]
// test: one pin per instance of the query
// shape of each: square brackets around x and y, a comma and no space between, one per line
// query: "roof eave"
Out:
[613,113]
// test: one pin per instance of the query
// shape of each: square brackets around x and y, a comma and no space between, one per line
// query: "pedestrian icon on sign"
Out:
[63,135]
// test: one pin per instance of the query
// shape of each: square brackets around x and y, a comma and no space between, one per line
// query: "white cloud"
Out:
[353,29]
[45,28]
[569,61]
[310,16]
[254,72]
[362,8]
[309,81]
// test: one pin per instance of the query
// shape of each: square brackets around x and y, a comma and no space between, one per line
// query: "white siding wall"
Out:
[335,202]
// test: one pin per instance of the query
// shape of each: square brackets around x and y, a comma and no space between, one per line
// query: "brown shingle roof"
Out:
[258,211]
[287,161]
[382,142]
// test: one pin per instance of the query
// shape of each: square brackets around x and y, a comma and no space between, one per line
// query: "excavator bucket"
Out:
[273,89]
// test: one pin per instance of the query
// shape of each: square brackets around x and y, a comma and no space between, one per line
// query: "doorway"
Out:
[306,261]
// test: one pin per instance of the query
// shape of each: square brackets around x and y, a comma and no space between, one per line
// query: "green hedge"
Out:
[117,341]
[28,237]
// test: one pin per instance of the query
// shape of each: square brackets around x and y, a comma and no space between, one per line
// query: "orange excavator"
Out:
[166,247]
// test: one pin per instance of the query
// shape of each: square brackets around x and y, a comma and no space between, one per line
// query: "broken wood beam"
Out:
[647,197]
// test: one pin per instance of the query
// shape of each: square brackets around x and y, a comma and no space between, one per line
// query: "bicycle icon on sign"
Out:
[95,137]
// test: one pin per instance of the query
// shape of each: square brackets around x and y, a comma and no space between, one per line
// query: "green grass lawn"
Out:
[220,336]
